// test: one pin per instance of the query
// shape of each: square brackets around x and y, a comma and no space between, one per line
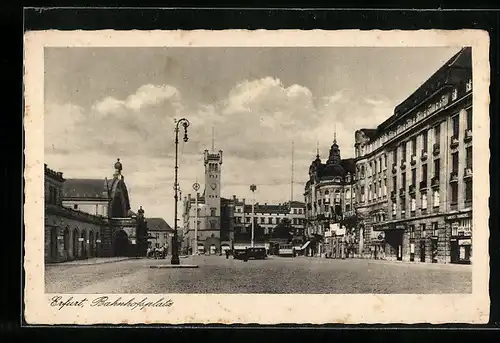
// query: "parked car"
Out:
[256,253]
[239,254]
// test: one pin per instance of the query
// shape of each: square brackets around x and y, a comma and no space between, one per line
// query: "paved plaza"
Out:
[216,274]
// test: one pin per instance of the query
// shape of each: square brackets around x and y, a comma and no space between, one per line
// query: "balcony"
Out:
[412,189]
[453,176]
[435,149]
[403,164]
[435,182]
[454,142]
[423,185]
[467,173]
[413,160]
[468,135]
[423,155]
[394,168]
[402,192]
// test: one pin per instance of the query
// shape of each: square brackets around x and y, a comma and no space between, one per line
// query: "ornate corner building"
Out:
[414,172]
[87,218]
[329,198]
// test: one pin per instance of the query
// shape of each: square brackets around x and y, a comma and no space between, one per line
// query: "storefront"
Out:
[461,237]
[394,242]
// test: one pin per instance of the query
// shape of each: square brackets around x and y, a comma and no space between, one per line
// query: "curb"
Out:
[68,263]
[174,266]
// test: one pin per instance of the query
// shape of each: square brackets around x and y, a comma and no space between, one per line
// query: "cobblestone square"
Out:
[276,275]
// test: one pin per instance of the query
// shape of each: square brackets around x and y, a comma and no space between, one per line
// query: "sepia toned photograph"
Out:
[281,170]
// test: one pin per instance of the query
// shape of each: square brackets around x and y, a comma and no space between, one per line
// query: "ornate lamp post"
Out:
[175,247]
[253,188]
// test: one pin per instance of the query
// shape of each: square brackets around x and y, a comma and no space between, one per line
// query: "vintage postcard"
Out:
[306,177]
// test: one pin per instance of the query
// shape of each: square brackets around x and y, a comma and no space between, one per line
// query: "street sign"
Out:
[196,186]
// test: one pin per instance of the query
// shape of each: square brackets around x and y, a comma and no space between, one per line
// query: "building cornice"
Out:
[415,127]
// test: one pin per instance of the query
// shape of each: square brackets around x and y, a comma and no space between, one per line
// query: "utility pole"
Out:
[253,188]
[196,187]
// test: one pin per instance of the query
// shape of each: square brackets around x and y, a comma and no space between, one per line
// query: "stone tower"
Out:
[213,164]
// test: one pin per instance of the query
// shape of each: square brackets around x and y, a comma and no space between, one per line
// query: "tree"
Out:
[283,230]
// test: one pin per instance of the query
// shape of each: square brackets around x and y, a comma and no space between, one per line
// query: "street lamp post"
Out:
[175,248]
[196,187]
[253,188]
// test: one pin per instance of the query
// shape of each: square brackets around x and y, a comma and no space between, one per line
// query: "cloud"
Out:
[254,124]
[146,95]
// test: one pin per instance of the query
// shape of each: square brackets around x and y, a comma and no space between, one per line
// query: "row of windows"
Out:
[270,220]
[213,167]
[378,165]
[459,228]
[157,236]
[435,198]
[295,210]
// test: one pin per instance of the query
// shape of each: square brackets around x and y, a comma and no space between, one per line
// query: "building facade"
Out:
[329,199]
[75,224]
[159,233]
[414,171]
[69,234]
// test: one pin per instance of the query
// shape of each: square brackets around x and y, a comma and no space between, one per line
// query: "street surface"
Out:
[276,275]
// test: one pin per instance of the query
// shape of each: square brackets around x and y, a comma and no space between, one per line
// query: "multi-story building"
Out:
[329,197]
[159,233]
[267,216]
[371,192]
[414,170]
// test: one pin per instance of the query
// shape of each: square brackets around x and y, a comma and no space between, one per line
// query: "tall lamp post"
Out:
[253,188]
[175,248]
[196,187]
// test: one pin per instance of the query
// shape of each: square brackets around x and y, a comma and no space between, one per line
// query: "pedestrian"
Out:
[227,254]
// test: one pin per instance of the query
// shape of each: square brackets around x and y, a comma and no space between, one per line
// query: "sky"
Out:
[107,103]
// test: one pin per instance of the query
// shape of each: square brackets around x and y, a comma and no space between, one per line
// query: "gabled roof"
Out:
[158,224]
[85,188]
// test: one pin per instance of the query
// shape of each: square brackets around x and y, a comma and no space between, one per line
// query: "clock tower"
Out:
[213,164]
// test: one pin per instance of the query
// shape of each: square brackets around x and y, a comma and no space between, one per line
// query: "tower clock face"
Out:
[214,186]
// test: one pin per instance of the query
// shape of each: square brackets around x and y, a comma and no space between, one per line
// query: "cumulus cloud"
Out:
[254,124]
[146,95]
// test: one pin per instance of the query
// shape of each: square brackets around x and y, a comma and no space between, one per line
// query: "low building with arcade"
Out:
[87,218]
